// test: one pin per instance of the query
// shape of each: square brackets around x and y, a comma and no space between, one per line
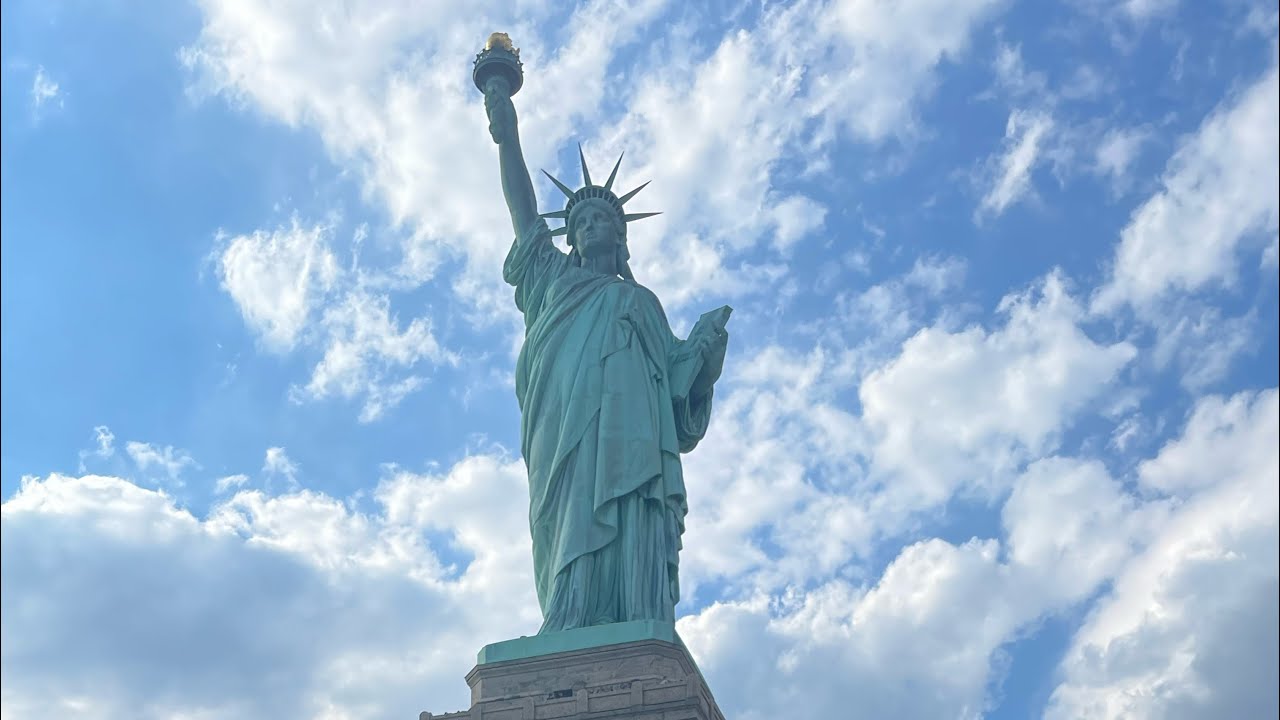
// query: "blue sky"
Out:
[997,435]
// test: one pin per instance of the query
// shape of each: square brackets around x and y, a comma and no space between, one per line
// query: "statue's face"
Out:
[595,229]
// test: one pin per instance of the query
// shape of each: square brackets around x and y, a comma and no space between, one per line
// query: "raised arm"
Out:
[517,188]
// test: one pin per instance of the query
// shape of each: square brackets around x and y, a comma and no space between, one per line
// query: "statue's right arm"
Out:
[517,188]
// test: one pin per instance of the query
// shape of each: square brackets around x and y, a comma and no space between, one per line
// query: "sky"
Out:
[996,436]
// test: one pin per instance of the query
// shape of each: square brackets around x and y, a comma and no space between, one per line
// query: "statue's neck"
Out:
[606,264]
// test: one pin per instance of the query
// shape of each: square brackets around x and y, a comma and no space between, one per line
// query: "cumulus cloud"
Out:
[278,278]
[408,591]
[937,617]
[892,408]
[1219,194]
[971,406]
[366,353]
[885,314]
[290,289]
[807,74]
[409,588]
[137,583]
[396,112]
[396,109]
[1186,632]
[883,56]
[794,485]
[1189,629]
[412,126]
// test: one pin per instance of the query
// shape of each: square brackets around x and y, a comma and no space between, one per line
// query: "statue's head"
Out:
[595,222]
[596,228]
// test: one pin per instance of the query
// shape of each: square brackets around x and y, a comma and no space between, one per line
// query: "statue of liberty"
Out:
[609,396]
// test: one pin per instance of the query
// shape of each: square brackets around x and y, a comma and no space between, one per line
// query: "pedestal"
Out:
[627,671]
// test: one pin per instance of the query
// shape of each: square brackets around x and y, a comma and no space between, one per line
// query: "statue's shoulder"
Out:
[647,297]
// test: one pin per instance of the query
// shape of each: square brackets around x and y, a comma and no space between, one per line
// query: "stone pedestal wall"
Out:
[647,679]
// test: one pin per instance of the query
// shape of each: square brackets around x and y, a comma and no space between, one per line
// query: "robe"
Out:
[601,433]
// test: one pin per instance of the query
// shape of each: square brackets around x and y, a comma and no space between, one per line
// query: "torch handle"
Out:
[500,110]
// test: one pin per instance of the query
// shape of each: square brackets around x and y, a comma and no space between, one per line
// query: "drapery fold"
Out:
[601,435]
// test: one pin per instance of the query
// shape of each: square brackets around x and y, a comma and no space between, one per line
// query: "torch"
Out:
[498,59]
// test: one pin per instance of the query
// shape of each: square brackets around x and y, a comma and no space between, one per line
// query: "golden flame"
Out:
[499,39]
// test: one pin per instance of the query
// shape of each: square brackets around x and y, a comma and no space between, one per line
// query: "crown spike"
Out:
[562,214]
[567,192]
[638,216]
[608,185]
[623,200]
[586,174]
[560,231]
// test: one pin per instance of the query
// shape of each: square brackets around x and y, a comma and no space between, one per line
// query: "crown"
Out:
[590,191]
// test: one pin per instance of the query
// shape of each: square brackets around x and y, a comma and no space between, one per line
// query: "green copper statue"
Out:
[609,396]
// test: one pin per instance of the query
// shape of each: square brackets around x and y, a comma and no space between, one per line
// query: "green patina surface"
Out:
[578,639]
[609,398]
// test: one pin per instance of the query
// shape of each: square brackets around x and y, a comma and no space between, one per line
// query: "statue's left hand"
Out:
[712,346]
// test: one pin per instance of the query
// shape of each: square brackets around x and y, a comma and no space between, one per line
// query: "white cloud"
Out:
[366,350]
[939,615]
[1201,343]
[969,407]
[1219,194]
[408,592]
[1271,255]
[277,464]
[806,654]
[1189,629]
[397,111]
[890,311]
[807,74]
[105,441]
[796,216]
[1126,432]
[44,91]
[1086,83]
[383,88]
[441,555]
[1142,10]
[1263,20]
[249,585]
[278,278]
[1071,527]
[793,485]
[1225,440]
[935,619]
[1115,154]
[1013,75]
[230,482]
[291,291]
[883,55]
[1011,172]
[172,461]
[777,425]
